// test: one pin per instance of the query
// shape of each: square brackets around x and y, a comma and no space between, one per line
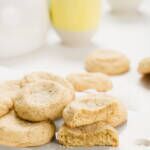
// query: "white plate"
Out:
[134,134]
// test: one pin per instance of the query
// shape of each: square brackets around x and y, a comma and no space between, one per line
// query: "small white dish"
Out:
[76,39]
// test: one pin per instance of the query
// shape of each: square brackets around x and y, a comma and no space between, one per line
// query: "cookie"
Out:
[108,62]
[97,134]
[9,91]
[19,133]
[41,101]
[89,109]
[37,76]
[85,81]
[144,66]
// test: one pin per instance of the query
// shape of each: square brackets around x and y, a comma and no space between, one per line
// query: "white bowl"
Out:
[124,5]
[76,39]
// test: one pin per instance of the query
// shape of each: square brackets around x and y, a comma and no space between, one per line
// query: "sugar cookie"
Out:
[89,109]
[41,101]
[19,133]
[37,76]
[108,62]
[97,134]
[85,81]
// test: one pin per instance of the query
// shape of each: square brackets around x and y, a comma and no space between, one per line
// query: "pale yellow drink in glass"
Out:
[76,19]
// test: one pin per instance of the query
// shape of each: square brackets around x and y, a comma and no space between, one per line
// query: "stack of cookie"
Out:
[28,107]
[90,121]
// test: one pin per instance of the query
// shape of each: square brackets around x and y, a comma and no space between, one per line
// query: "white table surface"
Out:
[128,34]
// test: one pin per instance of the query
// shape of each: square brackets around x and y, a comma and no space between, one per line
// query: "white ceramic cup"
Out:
[23,26]
[124,5]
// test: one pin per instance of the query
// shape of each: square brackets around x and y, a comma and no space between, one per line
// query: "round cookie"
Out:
[85,81]
[9,91]
[19,133]
[41,101]
[94,108]
[97,134]
[144,66]
[89,109]
[37,76]
[108,62]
